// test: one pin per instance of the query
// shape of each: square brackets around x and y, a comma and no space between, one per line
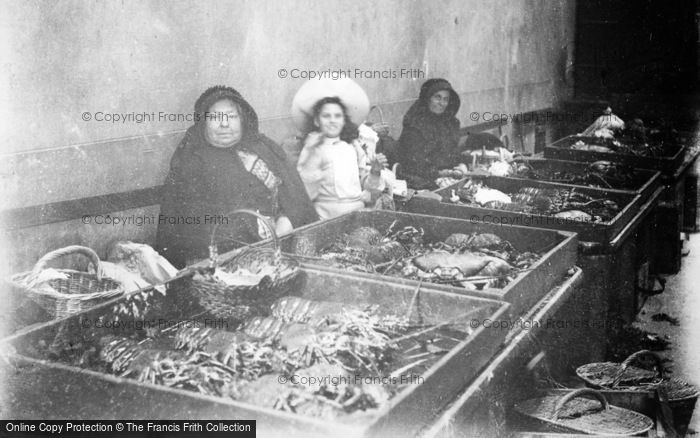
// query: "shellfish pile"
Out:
[562,203]
[471,261]
[657,145]
[300,338]
[632,137]
[601,174]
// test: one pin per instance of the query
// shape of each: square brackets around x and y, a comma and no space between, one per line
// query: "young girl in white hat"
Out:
[333,164]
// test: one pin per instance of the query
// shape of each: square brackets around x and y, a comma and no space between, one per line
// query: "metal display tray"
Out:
[481,408]
[561,149]
[643,182]
[587,231]
[560,250]
[38,388]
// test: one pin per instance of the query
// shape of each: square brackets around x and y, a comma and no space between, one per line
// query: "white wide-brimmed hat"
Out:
[350,93]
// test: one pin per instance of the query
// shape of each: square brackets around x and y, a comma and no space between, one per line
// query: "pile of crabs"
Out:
[563,203]
[317,358]
[601,174]
[472,261]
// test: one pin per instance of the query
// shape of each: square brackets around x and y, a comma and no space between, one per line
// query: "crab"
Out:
[340,393]
[603,167]
[351,339]
[198,371]
[471,270]
[363,237]
[246,356]
[474,240]
[405,235]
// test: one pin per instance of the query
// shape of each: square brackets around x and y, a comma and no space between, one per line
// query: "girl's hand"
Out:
[380,162]
[381,129]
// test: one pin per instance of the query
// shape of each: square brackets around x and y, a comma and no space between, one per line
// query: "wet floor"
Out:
[680,300]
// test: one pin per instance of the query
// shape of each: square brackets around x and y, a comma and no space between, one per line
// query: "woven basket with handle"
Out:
[243,301]
[387,144]
[74,292]
[682,396]
[613,374]
[573,412]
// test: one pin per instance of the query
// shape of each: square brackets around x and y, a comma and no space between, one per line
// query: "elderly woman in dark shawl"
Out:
[222,164]
[430,136]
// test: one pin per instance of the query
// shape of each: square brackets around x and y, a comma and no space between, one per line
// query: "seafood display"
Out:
[335,352]
[632,138]
[624,146]
[634,145]
[564,203]
[601,174]
[472,261]
[368,353]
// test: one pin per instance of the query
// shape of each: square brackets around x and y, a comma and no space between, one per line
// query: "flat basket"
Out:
[682,396]
[67,291]
[574,413]
[613,374]
[242,301]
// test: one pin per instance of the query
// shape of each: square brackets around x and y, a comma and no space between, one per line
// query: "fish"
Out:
[485,195]
[576,215]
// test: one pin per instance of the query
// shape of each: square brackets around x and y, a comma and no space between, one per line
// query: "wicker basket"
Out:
[682,396]
[381,125]
[573,413]
[613,374]
[64,296]
[243,301]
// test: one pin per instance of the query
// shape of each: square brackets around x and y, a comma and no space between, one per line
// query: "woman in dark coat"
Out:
[430,136]
[222,164]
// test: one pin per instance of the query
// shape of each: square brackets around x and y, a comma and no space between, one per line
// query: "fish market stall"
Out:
[666,156]
[601,174]
[595,214]
[614,269]
[102,363]
[666,150]
[514,264]
[613,177]
[481,409]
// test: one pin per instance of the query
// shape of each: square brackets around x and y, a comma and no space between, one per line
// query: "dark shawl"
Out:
[206,181]
[429,141]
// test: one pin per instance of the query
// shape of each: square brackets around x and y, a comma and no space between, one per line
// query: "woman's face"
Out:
[438,102]
[331,120]
[223,124]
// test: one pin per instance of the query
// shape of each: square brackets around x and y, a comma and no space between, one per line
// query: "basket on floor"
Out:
[682,396]
[240,301]
[612,374]
[62,292]
[573,413]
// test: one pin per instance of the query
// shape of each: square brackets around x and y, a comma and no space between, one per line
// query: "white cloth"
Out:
[366,146]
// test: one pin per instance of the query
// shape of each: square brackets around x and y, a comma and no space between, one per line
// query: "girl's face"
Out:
[331,120]
[438,102]
[223,124]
